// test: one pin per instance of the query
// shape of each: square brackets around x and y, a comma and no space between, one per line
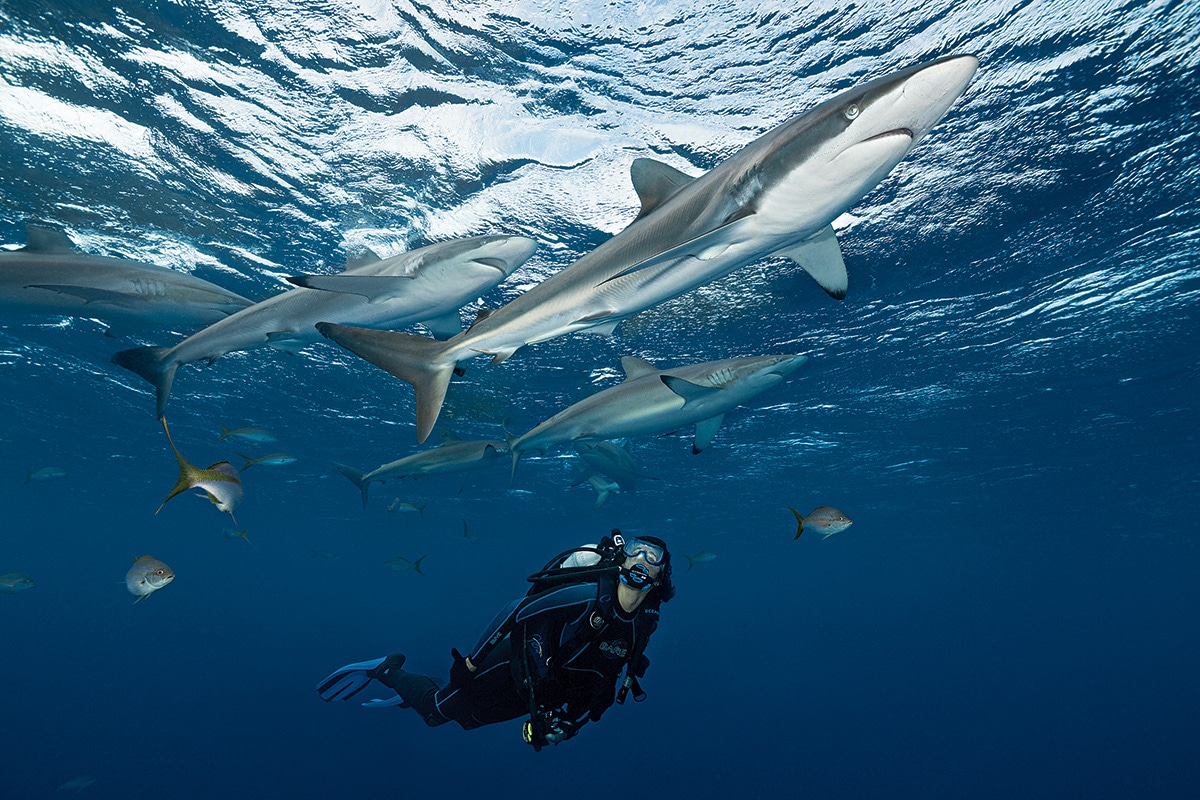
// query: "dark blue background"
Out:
[1006,404]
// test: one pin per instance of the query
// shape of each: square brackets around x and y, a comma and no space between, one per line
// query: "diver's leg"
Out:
[417,691]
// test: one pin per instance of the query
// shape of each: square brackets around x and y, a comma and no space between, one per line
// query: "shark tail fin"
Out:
[416,359]
[356,477]
[799,523]
[155,365]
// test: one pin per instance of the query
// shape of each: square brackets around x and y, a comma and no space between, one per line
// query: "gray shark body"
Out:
[452,455]
[48,276]
[427,285]
[777,196]
[652,401]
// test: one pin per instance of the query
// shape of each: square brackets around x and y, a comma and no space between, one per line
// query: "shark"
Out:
[657,401]
[778,196]
[427,285]
[50,276]
[452,455]
[612,461]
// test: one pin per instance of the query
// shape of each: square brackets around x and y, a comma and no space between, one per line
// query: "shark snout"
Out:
[929,92]
[505,253]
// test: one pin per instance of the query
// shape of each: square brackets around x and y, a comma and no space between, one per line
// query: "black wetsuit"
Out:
[570,642]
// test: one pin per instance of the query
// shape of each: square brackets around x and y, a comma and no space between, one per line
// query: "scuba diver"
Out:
[555,654]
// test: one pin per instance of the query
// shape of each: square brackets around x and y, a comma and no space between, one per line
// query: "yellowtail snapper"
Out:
[823,519]
[270,459]
[257,435]
[221,481]
[399,564]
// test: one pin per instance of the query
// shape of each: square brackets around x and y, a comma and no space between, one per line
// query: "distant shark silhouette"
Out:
[49,276]
[777,196]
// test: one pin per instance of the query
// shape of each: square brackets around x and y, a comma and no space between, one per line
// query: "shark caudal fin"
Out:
[420,361]
[155,365]
[356,477]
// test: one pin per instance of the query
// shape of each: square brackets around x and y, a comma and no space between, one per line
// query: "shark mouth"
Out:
[886,134]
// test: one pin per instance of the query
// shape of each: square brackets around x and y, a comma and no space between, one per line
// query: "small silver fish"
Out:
[399,564]
[43,474]
[324,554]
[401,505]
[270,459]
[221,482]
[13,582]
[246,434]
[703,557]
[243,534]
[147,576]
[825,519]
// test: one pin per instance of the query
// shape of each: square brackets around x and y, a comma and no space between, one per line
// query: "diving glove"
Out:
[460,673]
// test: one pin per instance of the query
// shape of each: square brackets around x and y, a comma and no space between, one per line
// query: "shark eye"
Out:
[850,111]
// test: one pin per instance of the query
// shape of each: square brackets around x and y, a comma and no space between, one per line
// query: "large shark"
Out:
[654,401]
[452,455]
[427,285]
[50,276]
[777,196]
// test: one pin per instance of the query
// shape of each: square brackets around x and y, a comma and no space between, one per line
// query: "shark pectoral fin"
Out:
[89,294]
[687,390]
[636,367]
[654,182]
[821,258]
[706,429]
[285,341]
[375,288]
[500,356]
[445,325]
[603,329]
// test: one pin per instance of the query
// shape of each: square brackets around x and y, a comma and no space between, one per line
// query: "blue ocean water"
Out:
[1006,403]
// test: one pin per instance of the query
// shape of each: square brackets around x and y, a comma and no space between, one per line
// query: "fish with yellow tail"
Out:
[824,519]
[220,482]
[147,576]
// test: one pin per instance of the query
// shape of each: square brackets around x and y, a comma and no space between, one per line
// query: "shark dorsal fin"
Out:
[654,182]
[362,258]
[46,240]
[636,367]
[481,315]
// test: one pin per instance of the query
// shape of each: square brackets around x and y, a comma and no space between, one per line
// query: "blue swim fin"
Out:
[344,683]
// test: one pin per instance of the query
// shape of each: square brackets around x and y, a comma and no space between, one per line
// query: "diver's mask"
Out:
[652,554]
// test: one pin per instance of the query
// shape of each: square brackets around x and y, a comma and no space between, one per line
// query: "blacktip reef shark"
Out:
[220,482]
[49,276]
[777,196]
[654,401]
[452,455]
[427,285]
